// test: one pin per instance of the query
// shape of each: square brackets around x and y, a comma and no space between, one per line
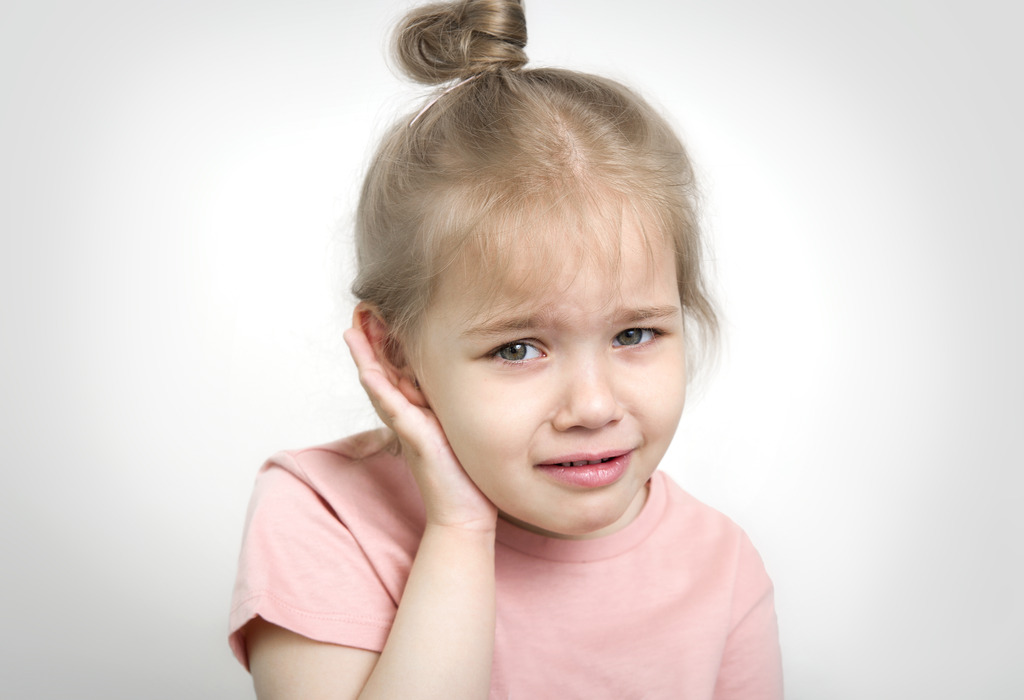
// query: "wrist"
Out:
[479,519]
[470,531]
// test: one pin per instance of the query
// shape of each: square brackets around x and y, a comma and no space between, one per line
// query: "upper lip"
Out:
[584,457]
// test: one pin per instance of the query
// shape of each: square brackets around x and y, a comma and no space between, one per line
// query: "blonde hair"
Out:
[495,165]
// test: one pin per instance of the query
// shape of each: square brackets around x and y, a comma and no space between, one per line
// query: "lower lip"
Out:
[589,476]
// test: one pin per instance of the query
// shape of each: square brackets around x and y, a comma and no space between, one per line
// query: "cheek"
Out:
[485,425]
[661,411]
[661,408]
[491,446]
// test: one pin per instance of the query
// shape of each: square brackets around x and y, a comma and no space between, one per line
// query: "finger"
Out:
[388,399]
[362,351]
[372,375]
[415,426]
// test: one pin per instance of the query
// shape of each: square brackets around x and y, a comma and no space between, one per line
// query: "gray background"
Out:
[172,176]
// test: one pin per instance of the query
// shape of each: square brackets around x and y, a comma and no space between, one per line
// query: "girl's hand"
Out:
[449,495]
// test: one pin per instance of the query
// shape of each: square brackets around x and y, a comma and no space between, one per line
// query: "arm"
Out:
[442,642]
[440,645]
[442,639]
[288,665]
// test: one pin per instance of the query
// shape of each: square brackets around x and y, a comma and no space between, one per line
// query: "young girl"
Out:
[530,287]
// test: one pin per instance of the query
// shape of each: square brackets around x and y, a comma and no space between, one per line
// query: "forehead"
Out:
[531,263]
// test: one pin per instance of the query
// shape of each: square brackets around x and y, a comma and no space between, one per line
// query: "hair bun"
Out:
[449,41]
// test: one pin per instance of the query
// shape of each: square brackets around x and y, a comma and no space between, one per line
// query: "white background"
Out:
[176,182]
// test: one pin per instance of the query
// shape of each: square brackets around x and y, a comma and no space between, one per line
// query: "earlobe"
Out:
[388,351]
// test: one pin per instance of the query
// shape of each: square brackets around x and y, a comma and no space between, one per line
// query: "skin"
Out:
[575,367]
[583,387]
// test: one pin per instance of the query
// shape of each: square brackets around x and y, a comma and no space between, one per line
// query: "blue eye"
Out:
[517,352]
[634,336]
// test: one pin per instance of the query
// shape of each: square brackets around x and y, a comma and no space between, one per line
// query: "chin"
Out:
[594,526]
[581,523]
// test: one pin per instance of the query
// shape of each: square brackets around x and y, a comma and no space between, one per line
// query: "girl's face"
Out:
[561,407]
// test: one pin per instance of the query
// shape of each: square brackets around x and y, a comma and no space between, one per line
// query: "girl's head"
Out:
[513,172]
[530,267]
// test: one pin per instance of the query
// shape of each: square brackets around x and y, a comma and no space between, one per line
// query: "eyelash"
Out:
[655,333]
[496,353]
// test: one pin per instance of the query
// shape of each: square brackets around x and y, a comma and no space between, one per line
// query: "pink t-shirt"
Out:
[675,605]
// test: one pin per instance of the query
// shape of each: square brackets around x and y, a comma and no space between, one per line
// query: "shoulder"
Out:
[360,452]
[356,484]
[750,665]
[705,533]
[698,518]
[329,539]
[361,468]
[731,566]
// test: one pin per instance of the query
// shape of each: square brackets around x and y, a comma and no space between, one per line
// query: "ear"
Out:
[388,351]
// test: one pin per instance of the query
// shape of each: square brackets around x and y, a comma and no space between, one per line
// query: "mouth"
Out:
[588,471]
[579,463]
[585,459]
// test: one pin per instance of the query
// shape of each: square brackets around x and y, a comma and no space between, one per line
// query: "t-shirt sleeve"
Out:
[301,568]
[751,667]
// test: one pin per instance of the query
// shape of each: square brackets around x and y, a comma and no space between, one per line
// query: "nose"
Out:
[588,397]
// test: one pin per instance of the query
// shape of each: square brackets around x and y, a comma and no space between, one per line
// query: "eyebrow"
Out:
[510,325]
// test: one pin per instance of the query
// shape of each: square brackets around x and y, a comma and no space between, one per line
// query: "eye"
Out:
[634,336]
[517,352]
